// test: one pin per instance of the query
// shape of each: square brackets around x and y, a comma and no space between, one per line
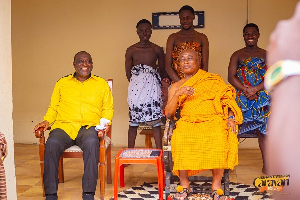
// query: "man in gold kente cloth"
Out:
[205,135]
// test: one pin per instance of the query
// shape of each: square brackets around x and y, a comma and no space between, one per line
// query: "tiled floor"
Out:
[29,185]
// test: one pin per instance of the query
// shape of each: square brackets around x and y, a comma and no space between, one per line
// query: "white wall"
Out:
[6,123]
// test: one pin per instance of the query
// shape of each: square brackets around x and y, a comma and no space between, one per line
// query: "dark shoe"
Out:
[51,197]
[88,195]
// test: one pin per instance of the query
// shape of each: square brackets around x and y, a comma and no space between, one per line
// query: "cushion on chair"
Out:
[73,148]
[148,127]
[144,127]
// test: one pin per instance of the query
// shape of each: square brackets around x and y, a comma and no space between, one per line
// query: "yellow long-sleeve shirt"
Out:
[75,104]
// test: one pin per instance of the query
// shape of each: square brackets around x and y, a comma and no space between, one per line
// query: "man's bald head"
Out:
[191,52]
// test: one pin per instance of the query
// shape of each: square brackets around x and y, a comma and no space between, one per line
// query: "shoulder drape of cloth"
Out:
[211,87]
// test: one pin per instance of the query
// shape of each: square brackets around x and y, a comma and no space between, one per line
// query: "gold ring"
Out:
[187,89]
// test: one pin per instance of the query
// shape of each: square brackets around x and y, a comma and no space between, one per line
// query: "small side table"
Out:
[139,156]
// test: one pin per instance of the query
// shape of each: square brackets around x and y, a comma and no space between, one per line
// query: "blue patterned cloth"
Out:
[251,71]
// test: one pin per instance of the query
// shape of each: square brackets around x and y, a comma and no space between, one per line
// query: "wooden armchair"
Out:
[76,152]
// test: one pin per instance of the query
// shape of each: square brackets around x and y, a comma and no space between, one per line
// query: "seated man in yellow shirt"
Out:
[78,103]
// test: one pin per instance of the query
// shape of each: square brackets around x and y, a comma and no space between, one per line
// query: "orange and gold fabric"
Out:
[179,48]
[201,139]
[75,104]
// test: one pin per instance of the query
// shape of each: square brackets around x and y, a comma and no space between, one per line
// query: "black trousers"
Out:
[57,142]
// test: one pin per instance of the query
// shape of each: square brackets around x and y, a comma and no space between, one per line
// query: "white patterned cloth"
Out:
[144,94]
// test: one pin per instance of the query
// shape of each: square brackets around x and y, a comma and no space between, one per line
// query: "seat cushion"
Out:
[73,148]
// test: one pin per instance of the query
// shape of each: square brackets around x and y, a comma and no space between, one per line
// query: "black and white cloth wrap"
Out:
[144,94]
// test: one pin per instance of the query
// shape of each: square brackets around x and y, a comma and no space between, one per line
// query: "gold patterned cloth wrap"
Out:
[179,48]
[201,139]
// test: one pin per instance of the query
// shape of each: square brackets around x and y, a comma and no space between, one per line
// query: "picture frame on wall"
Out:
[170,20]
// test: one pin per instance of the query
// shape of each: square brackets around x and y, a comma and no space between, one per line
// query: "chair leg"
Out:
[102,181]
[168,183]
[116,178]
[226,182]
[148,142]
[61,177]
[163,169]
[42,173]
[108,165]
[122,181]
[102,168]
[160,176]
[42,155]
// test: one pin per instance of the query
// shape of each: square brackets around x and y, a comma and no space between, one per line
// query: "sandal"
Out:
[202,196]
[218,195]
[182,194]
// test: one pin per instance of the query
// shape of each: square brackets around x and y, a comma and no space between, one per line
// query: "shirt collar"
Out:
[72,76]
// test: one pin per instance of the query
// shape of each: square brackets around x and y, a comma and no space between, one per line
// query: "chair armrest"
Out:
[39,133]
[102,133]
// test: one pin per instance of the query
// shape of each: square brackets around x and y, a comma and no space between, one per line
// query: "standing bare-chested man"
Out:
[144,90]
[186,38]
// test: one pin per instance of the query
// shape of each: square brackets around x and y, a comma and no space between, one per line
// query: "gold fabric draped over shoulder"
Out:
[179,48]
[201,139]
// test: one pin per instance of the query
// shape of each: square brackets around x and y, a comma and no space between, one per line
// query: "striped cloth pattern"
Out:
[3,154]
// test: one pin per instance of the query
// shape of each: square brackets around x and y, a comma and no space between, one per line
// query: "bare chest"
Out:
[145,56]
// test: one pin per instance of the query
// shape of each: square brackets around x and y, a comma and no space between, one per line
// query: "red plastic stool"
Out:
[139,156]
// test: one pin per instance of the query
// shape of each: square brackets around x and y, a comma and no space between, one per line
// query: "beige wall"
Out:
[6,105]
[47,33]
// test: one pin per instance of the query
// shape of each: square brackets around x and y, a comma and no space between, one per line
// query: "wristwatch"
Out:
[280,71]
